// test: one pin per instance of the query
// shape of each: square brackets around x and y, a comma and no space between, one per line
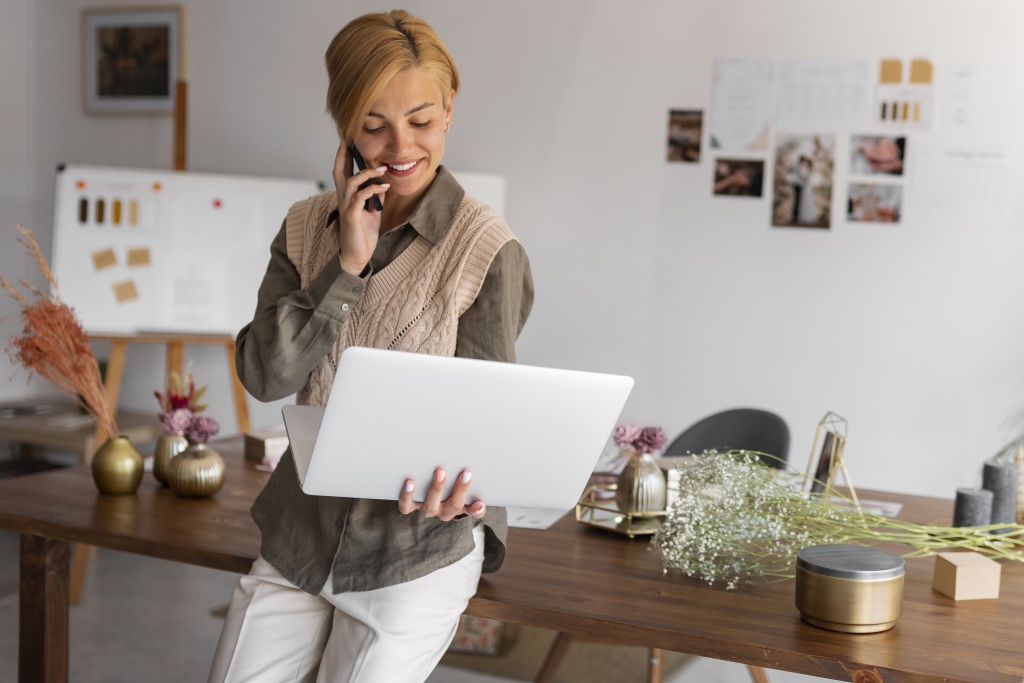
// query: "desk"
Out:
[33,430]
[567,578]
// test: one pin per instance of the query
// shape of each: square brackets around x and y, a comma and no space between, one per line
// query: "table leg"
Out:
[655,665]
[43,610]
[554,658]
[757,674]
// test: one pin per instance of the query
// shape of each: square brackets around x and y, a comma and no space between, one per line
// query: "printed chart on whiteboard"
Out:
[159,251]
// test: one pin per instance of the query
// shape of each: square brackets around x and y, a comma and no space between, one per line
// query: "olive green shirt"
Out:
[367,544]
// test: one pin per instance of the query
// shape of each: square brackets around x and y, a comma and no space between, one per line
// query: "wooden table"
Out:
[568,578]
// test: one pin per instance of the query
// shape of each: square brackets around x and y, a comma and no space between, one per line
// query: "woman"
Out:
[361,590]
[804,181]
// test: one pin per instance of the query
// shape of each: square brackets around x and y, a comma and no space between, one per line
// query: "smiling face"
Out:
[404,131]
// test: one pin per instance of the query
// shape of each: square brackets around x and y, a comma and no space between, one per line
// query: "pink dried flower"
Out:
[202,428]
[642,440]
[651,440]
[177,421]
[180,394]
[625,434]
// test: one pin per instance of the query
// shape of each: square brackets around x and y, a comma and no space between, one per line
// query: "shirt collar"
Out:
[433,215]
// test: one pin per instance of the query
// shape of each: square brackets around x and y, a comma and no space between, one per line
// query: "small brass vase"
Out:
[641,486]
[168,446]
[196,472]
[117,467]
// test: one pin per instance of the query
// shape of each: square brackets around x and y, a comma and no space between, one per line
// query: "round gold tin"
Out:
[849,588]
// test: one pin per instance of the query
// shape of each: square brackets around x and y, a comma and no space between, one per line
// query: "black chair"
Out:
[749,429]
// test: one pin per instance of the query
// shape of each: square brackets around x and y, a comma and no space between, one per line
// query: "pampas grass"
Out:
[53,343]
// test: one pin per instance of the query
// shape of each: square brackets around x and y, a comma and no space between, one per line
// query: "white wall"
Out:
[638,269]
[16,173]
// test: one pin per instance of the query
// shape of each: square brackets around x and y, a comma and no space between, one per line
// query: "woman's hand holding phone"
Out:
[358,226]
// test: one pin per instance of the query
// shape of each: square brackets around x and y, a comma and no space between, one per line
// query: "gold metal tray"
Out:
[605,514]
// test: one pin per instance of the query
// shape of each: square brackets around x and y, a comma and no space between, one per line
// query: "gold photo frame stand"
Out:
[827,460]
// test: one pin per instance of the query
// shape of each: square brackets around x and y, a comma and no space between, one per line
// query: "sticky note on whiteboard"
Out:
[104,258]
[138,256]
[125,291]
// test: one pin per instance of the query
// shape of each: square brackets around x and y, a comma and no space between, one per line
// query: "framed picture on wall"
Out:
[132,59]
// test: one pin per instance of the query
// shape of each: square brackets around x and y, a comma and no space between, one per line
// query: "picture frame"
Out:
[826,462]
[825,470]
[132,59]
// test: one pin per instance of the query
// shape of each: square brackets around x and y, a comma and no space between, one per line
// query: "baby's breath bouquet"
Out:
[734,520]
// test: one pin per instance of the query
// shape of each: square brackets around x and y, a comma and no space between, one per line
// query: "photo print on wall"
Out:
[739,177]
[684,135]
[874,203]
[802,191]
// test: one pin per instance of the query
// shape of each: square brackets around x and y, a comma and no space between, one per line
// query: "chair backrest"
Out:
[750,429]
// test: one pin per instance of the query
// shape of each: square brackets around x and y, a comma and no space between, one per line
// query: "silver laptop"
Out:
[531,436]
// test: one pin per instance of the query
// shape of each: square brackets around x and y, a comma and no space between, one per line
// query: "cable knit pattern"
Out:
[415,302]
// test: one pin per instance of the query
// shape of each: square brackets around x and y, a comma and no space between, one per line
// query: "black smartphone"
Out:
[361,165]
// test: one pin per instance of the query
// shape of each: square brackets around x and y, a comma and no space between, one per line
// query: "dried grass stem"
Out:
[54,344]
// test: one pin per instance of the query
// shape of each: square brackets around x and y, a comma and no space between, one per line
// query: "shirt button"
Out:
[338,523]
[344,307]
[357,290]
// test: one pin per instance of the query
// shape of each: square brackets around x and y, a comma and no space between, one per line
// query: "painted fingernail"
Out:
[479,511]
[466,476]
[409,486]
[385,184]
[381,169]
[438,476]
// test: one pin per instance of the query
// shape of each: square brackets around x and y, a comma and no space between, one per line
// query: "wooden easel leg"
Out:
[176,358]
[241,404]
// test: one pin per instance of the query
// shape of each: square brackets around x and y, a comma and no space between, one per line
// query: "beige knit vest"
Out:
[414,303]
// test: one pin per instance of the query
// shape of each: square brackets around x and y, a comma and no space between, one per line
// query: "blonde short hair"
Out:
[369,51]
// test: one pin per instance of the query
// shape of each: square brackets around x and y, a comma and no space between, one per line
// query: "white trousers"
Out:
[275,632]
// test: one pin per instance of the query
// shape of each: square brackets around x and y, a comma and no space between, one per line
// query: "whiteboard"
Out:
[139,250]
[145,251]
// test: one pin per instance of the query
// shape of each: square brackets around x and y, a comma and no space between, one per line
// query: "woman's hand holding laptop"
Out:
[433,506]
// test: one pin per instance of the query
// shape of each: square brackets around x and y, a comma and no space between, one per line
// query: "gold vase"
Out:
[168,446]
[117,467]
[196,472]
[641,486]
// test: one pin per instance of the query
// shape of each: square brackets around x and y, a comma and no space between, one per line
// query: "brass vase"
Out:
[196,472]
[168,446]
[117,467]
[641,486]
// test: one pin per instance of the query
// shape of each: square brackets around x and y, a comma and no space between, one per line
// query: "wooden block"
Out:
[264,444]
[966,576]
